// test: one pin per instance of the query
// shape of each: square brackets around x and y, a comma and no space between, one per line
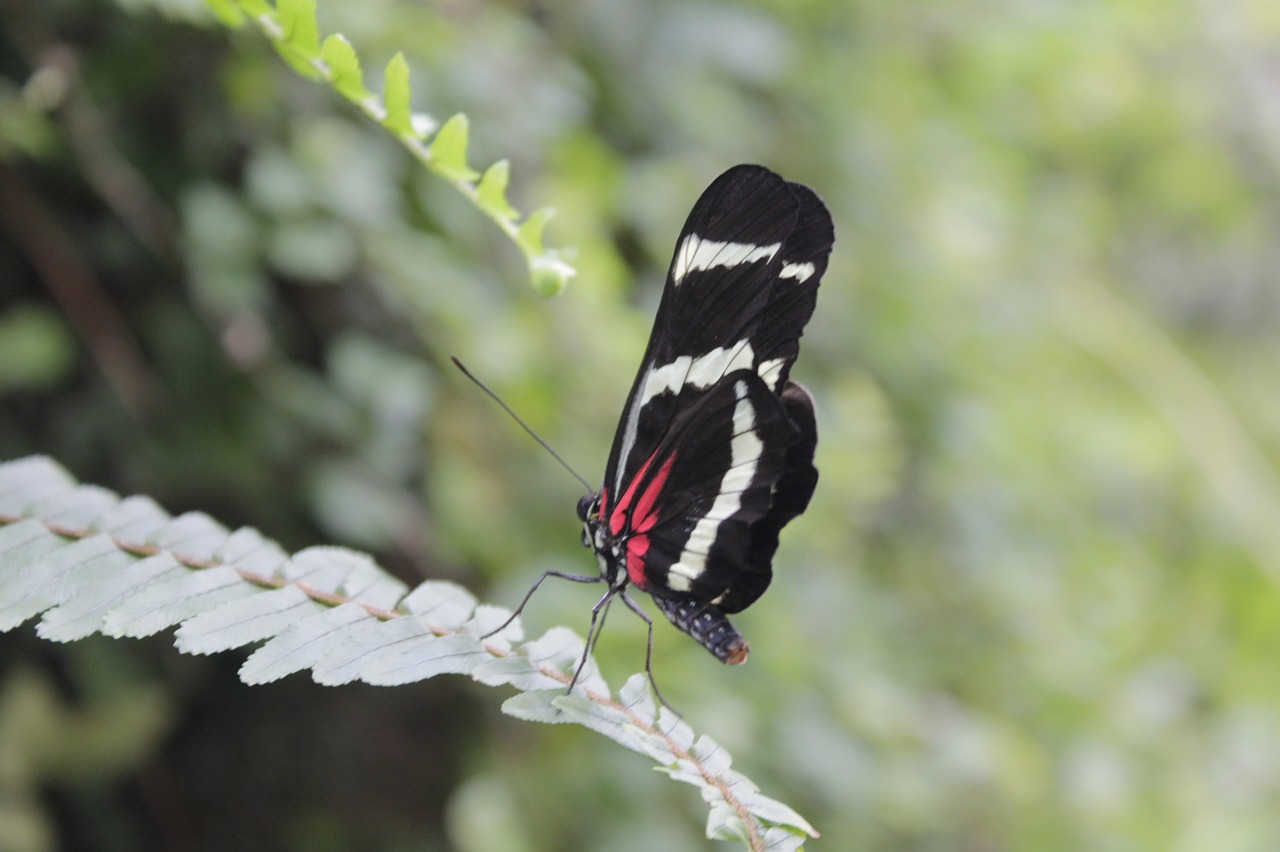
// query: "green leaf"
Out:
[529,234]
[344,67]
[298,23]
[293,30]
[449,150]
[548,271]
[549,274]
[492,192]
[396,97]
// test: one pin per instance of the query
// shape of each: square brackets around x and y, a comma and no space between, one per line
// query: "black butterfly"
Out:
[714,452]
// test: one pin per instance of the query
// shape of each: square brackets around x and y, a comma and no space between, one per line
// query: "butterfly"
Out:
[713,455]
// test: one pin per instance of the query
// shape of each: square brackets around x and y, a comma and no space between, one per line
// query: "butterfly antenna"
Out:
[523,425]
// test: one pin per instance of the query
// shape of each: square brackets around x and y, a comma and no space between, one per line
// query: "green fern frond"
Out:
[87,561]
[292,28]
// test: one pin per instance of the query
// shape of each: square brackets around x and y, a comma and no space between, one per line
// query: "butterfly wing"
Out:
[713,476]
[727,260]
[714,452]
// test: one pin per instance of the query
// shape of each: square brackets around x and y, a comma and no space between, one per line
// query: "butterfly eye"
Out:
[585,505]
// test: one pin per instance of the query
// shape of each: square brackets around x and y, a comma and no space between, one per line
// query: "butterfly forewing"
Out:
[795,294]
[727,258]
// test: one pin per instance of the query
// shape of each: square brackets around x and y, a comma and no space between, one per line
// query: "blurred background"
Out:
[1034,603]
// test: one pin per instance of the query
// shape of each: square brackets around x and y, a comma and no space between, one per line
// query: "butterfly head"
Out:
[589,514]
[593,531]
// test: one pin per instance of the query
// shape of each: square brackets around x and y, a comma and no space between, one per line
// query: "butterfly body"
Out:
[713,455]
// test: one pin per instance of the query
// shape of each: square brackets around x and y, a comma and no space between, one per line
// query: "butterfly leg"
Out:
[593,632]
[604,614]
[576,578]
[648,654]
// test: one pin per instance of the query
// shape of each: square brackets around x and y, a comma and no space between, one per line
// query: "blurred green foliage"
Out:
[1034,603]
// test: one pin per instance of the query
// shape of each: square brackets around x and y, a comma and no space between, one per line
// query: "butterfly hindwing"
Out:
[790,497]
[728,450]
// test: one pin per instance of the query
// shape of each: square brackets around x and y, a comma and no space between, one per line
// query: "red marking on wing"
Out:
[642,517]
[618,519]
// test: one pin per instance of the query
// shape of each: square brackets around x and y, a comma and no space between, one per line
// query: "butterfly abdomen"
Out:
[708,626]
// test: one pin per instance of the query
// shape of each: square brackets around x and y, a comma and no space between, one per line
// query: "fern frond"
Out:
[292,28]
[89,561]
